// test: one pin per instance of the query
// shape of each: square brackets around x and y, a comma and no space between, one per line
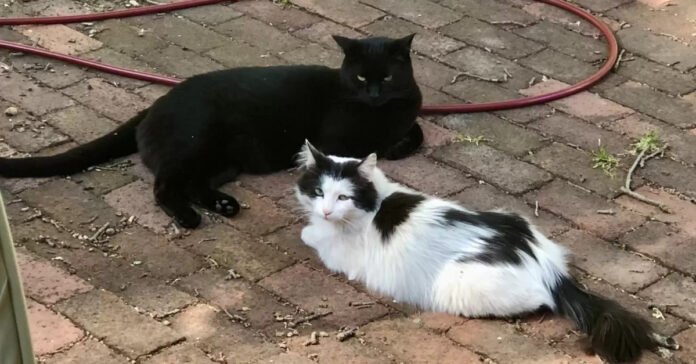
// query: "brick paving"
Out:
[228,292]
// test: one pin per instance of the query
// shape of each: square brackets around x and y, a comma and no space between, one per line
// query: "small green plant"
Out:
[605,161]
[648,143]
[476,140]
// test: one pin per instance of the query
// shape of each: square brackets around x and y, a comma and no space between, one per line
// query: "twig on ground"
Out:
[626,188]
[508,22]
[309,318]
[481,78]
[618,60]
[346,334]
[536,208]
[606,212]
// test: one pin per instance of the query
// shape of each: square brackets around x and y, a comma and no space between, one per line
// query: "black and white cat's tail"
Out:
[118,143]
[616,334]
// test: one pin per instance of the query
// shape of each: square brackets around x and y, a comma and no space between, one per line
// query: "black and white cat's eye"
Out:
[343,197]
[388,78]
[361,78]
[319,192]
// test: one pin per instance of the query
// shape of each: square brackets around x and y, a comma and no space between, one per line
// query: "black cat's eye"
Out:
[343,197]
[388,78]
[361,78]
[318,192]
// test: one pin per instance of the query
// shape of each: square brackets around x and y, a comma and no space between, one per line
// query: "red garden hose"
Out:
[612,46]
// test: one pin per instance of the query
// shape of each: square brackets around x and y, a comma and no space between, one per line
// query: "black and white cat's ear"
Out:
[368,165]
[346,44]
[309,155]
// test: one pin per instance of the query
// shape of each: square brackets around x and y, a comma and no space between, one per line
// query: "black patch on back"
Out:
[365,196]
[394,210]
[513,235]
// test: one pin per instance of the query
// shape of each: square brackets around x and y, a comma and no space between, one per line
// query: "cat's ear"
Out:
[405,42]
[368,165]
[309,155]
[346,44]
[401,48]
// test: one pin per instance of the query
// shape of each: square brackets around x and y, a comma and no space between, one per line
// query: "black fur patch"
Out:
[394,210]
[365,196]
[513,235]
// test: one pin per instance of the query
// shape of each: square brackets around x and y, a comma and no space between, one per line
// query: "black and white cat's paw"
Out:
[311,235]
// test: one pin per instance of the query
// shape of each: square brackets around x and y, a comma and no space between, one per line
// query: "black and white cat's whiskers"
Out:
[440,256]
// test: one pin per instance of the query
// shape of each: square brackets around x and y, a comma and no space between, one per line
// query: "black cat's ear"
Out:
[405,42]
[401,48]
[309,155]
[346,44]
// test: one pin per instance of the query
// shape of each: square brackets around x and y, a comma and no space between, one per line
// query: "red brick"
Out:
[437,321]
[658,76]
[182,32]
[211,14]
[352,14]
[637,125]
[686,339]
[71,205]
[155,298]
[259,34]
[211,331]
[141,247]
[559,66]
[674,110]
[246,254]
[577,166]
[136,199]
[238,54]
[331,350]
[547,326]
[121,36]
[581,208]
[183,353]
[276,185]
[240,297]
[484,35]
[668,20]
[45,282]
[422,12]
[676,292]
[601,258]
[501,135]
[427,42]
[288,241]
[88,351]
[105,316]
[29,96]
[408,340]
[51,74]
[585,105]
[49,331]
[490,164]
[435,135]
[486,65]
[27,133]
[287,358]
[320,293]
[668,173]
[283,17]
[487,197]
[112,101]
[430,73]
[682,210]
[585,135]
[560,16]
[313,54]
[565,41]
[601,5]
[321,33]
[152,92]
[671,246]
[658,48]
[490,11]
[103,180]
[182,63]
[81,124]
[262,216]
[426,175]
[501,342]
[60,39]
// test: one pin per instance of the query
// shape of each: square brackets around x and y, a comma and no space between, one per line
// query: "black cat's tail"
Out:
[118,143]
[616,334]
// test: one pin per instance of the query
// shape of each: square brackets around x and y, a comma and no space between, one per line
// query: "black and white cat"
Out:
[213,126]
[440,256]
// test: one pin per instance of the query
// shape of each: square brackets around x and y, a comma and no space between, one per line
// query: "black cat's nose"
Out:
[373,92]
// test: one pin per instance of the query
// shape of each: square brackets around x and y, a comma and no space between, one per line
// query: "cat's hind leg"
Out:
[171,195]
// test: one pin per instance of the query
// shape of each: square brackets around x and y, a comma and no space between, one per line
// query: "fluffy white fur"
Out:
[419,263]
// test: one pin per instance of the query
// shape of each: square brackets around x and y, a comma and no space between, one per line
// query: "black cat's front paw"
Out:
[227,207]
[406,146]
[188,220]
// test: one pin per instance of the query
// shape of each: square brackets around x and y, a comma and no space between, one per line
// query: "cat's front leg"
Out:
[406,146]
[312,236]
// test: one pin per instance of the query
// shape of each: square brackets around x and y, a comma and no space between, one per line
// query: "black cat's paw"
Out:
[188,220]
[227,207]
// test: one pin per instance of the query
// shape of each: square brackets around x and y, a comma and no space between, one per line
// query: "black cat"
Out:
[214,126]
